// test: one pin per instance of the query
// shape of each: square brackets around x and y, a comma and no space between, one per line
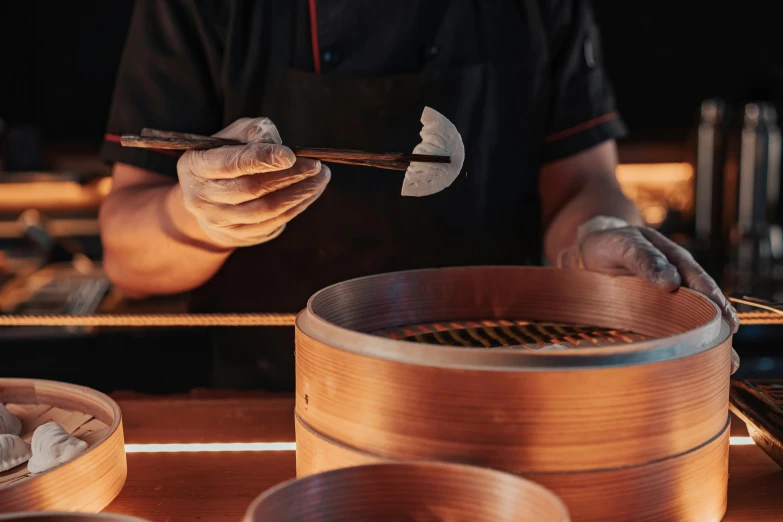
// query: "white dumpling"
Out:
[52,446]
[8,423]
[439,137]
[13,451]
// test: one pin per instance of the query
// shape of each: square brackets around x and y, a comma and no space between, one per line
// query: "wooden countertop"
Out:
[172,487]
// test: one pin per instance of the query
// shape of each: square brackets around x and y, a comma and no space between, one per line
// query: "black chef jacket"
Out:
[521,80]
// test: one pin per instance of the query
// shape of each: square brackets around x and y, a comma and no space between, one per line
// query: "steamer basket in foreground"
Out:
[87,483]
[408,491]
[640,376]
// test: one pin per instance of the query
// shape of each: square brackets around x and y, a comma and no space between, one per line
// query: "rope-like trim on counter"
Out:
[165,320]
[173,320]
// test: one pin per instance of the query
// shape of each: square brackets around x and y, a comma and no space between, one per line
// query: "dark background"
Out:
[58,61]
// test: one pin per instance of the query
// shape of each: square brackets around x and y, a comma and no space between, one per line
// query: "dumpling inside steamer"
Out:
[52,446]
[9,424]
[13,451]
[439,137]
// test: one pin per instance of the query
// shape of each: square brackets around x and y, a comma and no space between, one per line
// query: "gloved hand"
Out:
[611,246]
[245,194]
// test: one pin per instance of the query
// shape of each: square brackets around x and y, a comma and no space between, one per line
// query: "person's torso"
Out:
[480,63]
[483,64]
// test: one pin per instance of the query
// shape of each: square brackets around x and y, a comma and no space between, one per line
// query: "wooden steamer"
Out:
[89,482]
[622,429]
[408,491]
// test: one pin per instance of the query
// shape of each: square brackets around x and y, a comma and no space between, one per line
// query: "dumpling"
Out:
[52,446]
[8,423]
[439,137]
[13,451]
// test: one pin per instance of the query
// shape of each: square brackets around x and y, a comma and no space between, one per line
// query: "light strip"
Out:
[210,447]
[271,446]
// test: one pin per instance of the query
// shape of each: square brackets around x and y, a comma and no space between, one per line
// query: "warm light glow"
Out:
[103,186]
[57,195]
[655,174]
[657,187]
[269,446]
[210,447]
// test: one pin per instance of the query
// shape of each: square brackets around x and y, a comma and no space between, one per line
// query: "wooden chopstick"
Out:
[169,140]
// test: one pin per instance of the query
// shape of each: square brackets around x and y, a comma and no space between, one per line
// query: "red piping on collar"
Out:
[116,138]
[314,37]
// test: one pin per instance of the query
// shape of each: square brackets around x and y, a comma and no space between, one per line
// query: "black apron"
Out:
[361,224]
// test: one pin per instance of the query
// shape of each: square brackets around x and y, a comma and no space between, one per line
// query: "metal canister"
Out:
[711,140]
[756,237]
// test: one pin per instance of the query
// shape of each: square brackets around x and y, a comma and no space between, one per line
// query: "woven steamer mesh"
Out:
[531,412]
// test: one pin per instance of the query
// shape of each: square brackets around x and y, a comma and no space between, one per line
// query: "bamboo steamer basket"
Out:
[51,516]
[87,483]
[408,491]
[687,487]
[562,414]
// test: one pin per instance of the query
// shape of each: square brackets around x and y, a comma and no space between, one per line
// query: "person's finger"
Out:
[735,361]
[260,209]
[260,130]
[229,238]
[238,160]
[245,188]
[616,250]
[569,258]
[264,131]
[252,234]
[693,275]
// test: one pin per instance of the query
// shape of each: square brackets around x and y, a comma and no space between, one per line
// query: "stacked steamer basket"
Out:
[628,422]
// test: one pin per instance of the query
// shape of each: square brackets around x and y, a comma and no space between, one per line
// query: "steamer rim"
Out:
[709,335]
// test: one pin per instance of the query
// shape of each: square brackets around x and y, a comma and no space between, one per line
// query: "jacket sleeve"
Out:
[166,79]
[583,112]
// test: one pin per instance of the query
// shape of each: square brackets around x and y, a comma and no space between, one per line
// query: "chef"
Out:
[252,228]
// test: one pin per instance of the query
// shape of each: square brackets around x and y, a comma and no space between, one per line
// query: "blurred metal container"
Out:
[757,239]
[711,149]
[759,170]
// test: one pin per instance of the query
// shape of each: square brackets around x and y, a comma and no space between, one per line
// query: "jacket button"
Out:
[589,54]
[430,52]
[330,57]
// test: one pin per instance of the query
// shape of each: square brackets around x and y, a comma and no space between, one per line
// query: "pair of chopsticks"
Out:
[168,140]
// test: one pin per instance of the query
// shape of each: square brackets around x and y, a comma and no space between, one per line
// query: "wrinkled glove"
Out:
[244,195]
[611,246]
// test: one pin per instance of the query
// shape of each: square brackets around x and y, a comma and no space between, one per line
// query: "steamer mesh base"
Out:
[510,334]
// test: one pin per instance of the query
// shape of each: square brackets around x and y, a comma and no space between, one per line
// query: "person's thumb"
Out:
[259,130]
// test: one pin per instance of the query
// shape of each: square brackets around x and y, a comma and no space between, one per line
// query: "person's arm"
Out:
[161,237]
[170,223]
[577,188]
[588,221]
[151,243]
[590,224]
[166,80]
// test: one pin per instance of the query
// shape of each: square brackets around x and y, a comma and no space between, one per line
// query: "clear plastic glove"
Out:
[244,195]
[611,246]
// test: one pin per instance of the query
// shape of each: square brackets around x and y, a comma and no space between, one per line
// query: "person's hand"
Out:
[611,246]
[244,195]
